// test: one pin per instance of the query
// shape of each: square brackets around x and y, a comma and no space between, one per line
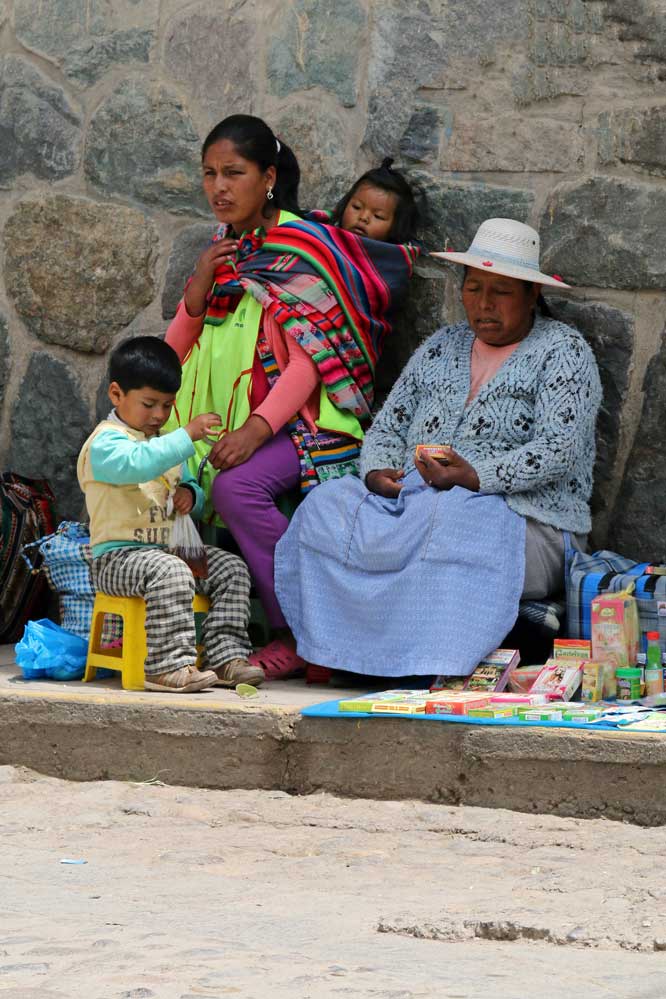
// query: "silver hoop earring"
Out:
[269,193]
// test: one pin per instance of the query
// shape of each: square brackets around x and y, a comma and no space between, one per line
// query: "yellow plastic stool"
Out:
[130,659]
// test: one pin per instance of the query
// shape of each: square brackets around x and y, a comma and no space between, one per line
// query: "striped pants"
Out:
[167,585]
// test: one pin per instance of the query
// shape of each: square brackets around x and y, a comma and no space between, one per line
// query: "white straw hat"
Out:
[505,247]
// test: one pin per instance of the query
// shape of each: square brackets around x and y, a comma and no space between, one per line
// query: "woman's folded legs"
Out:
[245,498]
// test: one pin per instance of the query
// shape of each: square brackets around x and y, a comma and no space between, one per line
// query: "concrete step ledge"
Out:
[83,733]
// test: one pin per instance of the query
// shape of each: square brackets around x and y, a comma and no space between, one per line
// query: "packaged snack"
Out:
[572,648]
[559,679]
[366,702]
[448,683]
[539,714]
[455,705]
[546,710]
[522,678]
[593,681]
[492,673]
[509,698]
[440,452]
[614,625]
[493,711]
[628,683]
[583,714]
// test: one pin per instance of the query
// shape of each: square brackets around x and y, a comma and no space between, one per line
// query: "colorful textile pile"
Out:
[331,290]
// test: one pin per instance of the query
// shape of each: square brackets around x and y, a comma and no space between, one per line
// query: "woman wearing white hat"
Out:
[515,394]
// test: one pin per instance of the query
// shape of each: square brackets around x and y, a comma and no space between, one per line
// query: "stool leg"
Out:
[94,644]
[135,649]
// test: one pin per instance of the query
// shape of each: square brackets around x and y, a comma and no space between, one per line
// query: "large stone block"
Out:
[639,526]
[224,38]
[317,45]
[610,334]
[49,423]
[636,136]
[455,211]
[40,128]
[5,358]
[185,252]
[78,272]
[512,144]
[641,23]
[142,143]
[321,144]
[606,233]
[87,37]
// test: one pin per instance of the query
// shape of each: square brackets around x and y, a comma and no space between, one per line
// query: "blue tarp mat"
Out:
[330,709]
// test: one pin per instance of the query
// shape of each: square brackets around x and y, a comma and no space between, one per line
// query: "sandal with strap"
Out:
[278,660]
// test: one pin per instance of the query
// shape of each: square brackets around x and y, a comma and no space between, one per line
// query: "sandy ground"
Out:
[189,893]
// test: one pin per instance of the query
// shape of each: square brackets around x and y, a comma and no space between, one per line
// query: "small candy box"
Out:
[546,710]
[615,632]
[559,679]
[583,714]
[440,452]
[518,699]
[460,705]
[593,681]
[493,711]
[492,673]
[368,702]
[572,648]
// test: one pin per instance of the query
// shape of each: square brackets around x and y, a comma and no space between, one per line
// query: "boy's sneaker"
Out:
[239,671]
[186,680]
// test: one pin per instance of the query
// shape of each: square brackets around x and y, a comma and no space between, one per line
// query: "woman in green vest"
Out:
[276,336]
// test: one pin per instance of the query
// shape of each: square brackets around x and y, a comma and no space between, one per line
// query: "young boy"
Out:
[127,472]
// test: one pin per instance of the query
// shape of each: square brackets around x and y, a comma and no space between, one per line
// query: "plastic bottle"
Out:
[654,672]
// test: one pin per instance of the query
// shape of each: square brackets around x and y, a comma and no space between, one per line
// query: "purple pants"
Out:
[245,496]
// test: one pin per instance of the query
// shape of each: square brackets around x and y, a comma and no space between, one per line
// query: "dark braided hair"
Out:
[407,215]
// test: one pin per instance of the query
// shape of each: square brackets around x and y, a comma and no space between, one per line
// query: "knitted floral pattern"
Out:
[529,432]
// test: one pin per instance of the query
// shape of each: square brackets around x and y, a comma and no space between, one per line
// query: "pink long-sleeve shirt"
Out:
[297,387]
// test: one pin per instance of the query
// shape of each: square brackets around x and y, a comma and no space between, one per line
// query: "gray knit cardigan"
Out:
[529,432]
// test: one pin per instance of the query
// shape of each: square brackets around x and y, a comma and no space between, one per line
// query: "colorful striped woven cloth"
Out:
[332,291]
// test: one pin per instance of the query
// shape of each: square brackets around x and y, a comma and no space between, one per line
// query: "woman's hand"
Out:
[183,499]
[385,481]
[239,445]
[196,294]
[458,472]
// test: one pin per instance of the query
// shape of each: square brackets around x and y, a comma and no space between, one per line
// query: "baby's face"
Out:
[370,212]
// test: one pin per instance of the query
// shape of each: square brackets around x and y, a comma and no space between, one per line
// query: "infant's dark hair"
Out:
[145,362]
[407,215]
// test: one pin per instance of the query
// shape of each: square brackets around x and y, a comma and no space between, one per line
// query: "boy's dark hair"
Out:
[407,215]
[145,362]
[256,142]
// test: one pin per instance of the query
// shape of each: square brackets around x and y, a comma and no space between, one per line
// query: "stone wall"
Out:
[553,113]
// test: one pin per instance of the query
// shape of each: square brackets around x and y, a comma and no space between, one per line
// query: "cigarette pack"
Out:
[572,648]
[615,633]
[492,673]
[559,679]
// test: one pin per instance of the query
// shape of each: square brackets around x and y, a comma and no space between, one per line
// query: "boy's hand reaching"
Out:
[202,426]
[183,499]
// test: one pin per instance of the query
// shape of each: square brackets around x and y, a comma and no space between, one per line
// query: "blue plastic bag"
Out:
[47,650]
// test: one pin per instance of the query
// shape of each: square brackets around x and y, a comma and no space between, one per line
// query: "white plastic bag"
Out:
[186,544]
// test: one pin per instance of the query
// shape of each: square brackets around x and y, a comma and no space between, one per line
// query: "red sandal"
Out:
[317,674]
[278,660]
